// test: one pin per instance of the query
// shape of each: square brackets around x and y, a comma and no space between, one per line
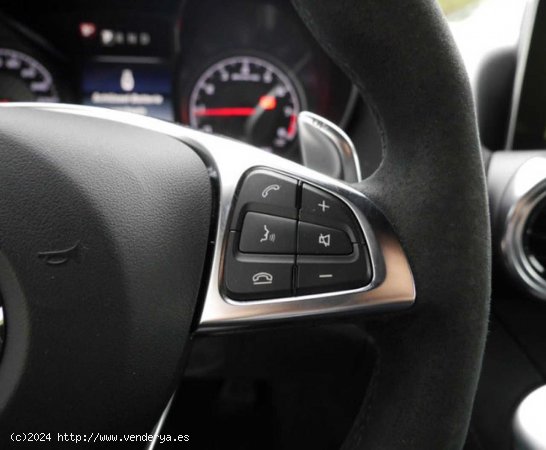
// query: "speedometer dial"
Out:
[247,98]
[23,79]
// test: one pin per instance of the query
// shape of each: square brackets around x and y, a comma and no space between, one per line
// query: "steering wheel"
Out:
[118,239]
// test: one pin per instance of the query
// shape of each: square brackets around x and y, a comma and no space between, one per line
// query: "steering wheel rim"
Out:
[431,186]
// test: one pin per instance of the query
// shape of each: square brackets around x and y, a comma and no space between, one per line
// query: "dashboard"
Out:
[243,68]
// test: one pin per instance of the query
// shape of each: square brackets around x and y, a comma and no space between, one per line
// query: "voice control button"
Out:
[267,234]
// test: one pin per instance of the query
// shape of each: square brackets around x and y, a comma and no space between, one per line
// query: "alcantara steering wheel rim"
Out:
[431,186]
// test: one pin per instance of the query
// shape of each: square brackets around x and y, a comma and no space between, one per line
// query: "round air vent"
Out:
[523,241]
[534,239]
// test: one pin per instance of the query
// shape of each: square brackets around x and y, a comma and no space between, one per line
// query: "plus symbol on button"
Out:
[324,206]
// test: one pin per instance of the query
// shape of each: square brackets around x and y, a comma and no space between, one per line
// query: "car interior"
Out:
[273,224]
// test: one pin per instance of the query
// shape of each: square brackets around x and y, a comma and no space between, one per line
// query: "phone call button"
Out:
[269,190]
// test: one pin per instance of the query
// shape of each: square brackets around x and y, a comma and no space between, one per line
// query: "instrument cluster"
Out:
[243,68]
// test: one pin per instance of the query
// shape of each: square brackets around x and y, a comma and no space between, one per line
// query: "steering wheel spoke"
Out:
[352,262]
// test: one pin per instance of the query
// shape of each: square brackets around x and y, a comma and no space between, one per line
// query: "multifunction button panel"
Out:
[289,238]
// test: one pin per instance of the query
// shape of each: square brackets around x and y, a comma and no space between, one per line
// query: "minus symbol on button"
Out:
[325,275]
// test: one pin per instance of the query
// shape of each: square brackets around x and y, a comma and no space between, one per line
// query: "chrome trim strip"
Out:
[524,191]
[523,53]
[392,285]
[2,330]
[160,423]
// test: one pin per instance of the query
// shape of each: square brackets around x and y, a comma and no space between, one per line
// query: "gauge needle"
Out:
[266,103]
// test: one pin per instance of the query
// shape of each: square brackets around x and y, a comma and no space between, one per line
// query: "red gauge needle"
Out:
[291,130]
[266,103]
[224,112]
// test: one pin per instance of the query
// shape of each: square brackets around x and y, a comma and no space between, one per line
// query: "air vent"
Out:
[534,239]
[523,237]
[524,243]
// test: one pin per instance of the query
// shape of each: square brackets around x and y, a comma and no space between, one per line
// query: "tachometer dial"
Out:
[247,98]
[23,79]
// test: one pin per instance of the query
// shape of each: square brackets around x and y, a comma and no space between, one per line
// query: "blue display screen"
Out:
[137,87]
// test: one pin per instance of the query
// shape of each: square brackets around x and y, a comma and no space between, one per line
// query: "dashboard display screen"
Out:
[140,88]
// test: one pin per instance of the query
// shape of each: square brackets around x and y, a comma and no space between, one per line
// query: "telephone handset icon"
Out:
[262,278]
[268,189]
